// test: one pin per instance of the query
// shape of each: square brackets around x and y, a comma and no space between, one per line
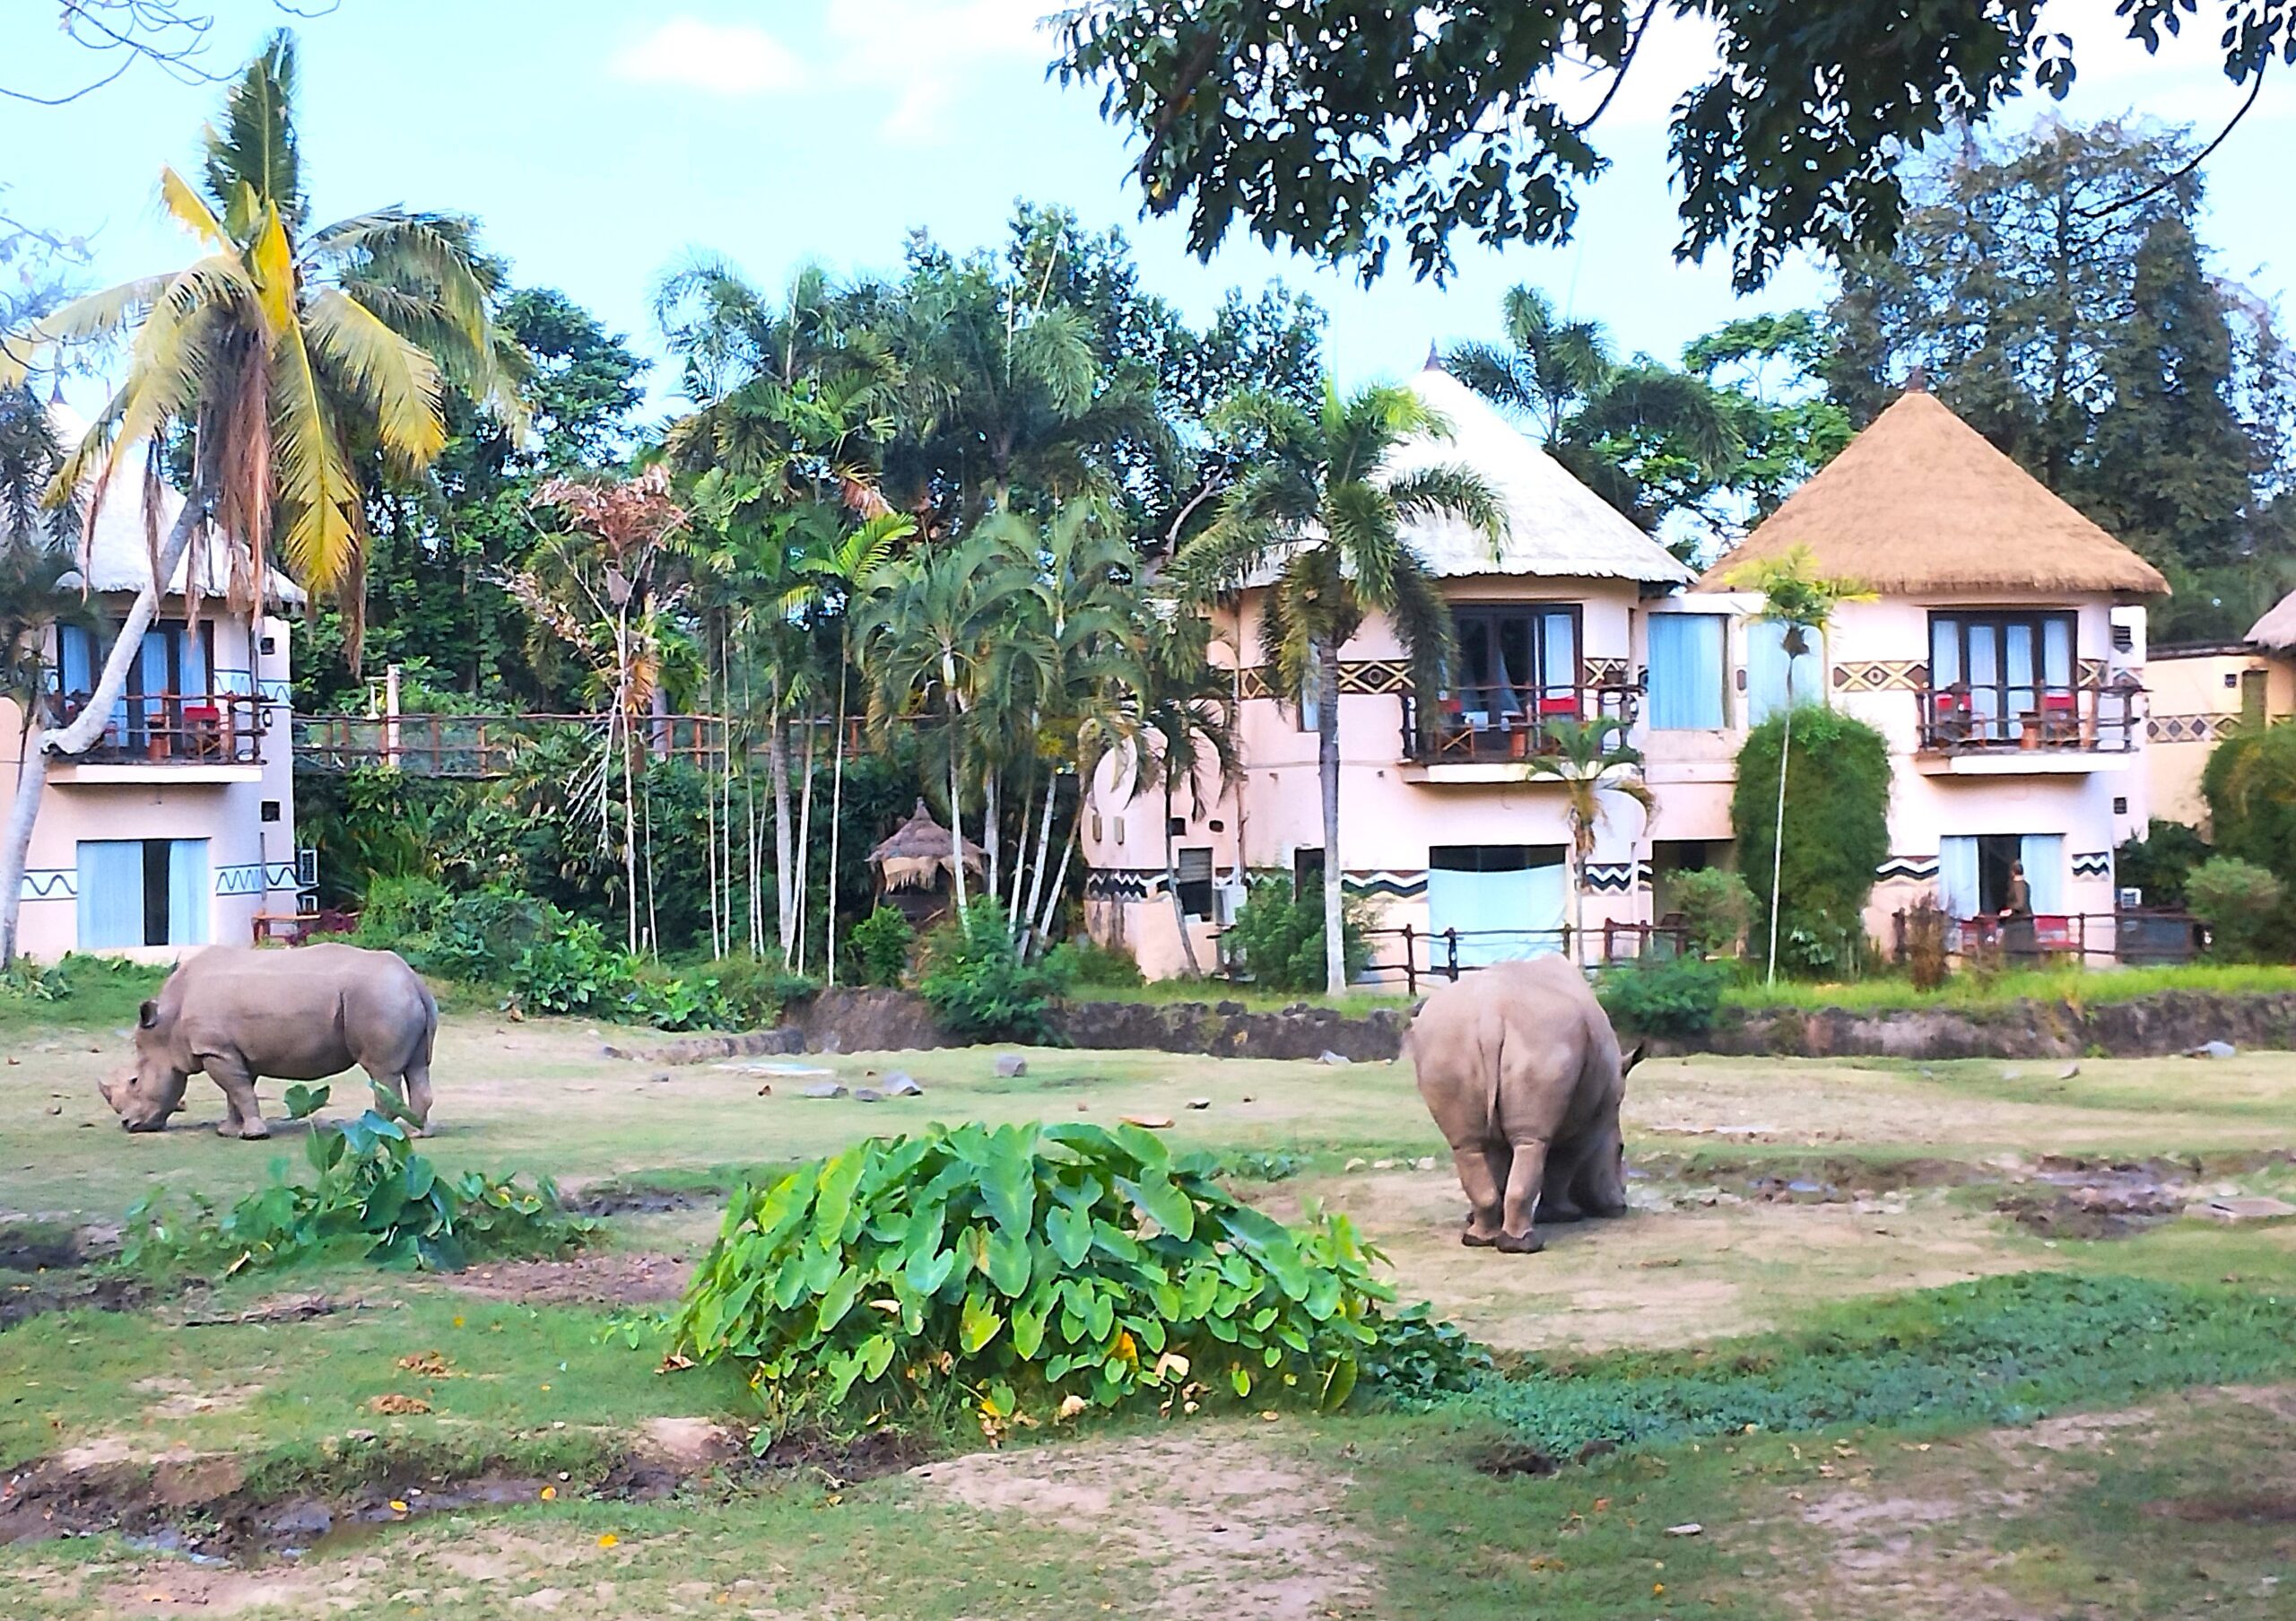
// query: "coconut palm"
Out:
[1590,759]
[1320,519]
[1802,602]
[284,354]
[929,639]
[840,566]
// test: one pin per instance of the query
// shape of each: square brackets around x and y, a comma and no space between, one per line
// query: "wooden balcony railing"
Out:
[186,728]
[1974,719]
[484,745]
[1477,724]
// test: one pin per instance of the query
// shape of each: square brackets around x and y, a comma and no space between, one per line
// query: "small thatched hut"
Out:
[2275,632]
[916,864]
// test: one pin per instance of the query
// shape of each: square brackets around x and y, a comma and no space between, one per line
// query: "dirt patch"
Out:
[1508,1462]
[2258,1508]
[23,1297]
[614,1199]
[1231,1531]
[181,1586]
[183,1399]
[841,1461]
[631,1278]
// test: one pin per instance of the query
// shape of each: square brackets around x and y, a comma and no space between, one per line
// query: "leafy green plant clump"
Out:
[2002,1350]
[1678,997]
[1717,909]
[1277,938]
[372,1194]
[1837,833]
[2240,902]
[1029,1273]
[881,943]
[979,985]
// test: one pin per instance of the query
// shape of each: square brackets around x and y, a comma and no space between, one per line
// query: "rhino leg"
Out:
[418,1094]
[243,1115]
[1518,1235]
[1556,1201]
[1599,1184]
[1482,1173]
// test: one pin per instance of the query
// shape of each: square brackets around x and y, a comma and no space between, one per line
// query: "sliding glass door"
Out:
[1989,672]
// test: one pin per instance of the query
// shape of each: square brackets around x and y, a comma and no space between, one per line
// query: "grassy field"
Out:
[1962,1403]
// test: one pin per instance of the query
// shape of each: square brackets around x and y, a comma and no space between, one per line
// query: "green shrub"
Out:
[1837,833]
[481,935]
[1677,997]
[2159,862]
[1277,939]
[978,984]
[1011,1271]
[372,1193]
[1717,909]
[400,907]
[881,943]
[754,990]
[1090,963]
[572,970]
[2250,785]
[2240,902]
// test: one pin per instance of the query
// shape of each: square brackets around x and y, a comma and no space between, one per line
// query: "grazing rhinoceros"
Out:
[1521,1070]
[296,1015]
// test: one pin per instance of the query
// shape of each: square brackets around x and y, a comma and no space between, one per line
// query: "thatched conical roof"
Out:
[913,855]
[2275,632]
[1920,501]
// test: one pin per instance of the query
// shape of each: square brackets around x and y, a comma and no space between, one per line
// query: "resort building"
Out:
[2202,692]
[177,830]
[2002,658]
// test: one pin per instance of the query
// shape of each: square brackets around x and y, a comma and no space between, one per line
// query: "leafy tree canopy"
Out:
[1344,127]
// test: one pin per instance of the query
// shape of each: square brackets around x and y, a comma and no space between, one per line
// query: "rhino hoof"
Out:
[1473,1239]
[254,1133]
[1528,1243]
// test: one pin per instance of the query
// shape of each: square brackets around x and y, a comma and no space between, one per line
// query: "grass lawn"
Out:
[1969,993]
[1961,1407]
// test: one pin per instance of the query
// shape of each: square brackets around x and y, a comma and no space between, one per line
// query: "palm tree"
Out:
[929,640]
[1590,758]
[1186,722]
[1320,519]
[1600,416]
[839,567]
[36,554]
[283,353]
[1799,600]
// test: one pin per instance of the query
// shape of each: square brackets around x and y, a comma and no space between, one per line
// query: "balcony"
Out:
[168,737]
[1491,734]
[1978,731]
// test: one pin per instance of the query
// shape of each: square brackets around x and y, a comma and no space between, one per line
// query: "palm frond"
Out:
[252,158]
[79,321]
[318,498]
[190,210]
[1455,491]
[394,380]
[1055,348]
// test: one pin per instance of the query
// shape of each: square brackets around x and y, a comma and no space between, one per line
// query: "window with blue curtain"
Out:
[2042,855]
[1686,672]
[1767,667]
[187,891]
[1958,876]
[111,893]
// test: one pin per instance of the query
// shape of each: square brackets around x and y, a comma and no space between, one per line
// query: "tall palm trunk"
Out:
[956,822]
[836,810]
[77,738]
[1044,852]
[1777,833]
[1327,779]
[992,818]
[1060,873]
[1172,885]
[777,758]
[805,836]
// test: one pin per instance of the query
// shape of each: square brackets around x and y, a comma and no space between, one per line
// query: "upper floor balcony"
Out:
[1995,729]
[1491,732]
[172,736]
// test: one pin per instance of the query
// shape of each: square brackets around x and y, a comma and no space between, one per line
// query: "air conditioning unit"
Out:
[2131,897]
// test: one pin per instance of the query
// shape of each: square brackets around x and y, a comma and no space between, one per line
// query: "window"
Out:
[173,664]
[1686,672]
[1175,827]
[270,812]
[1195,868]
[1773,679]
[1517,661]
[2252,697]
[1995,669]
[1492,902]
[142,891]
[1306,870]
[1976,875]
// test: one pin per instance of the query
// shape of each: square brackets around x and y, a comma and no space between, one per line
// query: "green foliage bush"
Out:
[1679,996]
[2250,785]
[2002,1350]
[1090,963]
[2159,862]
[1009,1271]
[1837,833]
[2242,903]
[881,943]
[1717,909]
[1277,938]
[372,1194]
[979,985]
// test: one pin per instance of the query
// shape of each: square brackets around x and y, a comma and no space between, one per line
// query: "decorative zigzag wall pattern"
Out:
[2094,864]
[1907,869]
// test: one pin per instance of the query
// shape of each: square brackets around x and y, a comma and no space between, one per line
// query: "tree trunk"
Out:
[1060,877]
[1020,861]
[805,836]
[1778,835]
[991,818]
[1172,886]
[956,825]
[776,756]
[1327,776]
[1044,854]
[836,815]
[82,734]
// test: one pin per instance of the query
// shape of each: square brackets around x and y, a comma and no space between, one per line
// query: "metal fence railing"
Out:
[2135,936]
[1406,955]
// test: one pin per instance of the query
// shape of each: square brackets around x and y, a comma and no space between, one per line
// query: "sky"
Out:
[600,142]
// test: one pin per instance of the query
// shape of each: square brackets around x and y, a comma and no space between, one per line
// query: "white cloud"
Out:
[724,60]
[921,53]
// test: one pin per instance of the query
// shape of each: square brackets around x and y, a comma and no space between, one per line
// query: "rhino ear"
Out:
[147,1015]
[1633,1058]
